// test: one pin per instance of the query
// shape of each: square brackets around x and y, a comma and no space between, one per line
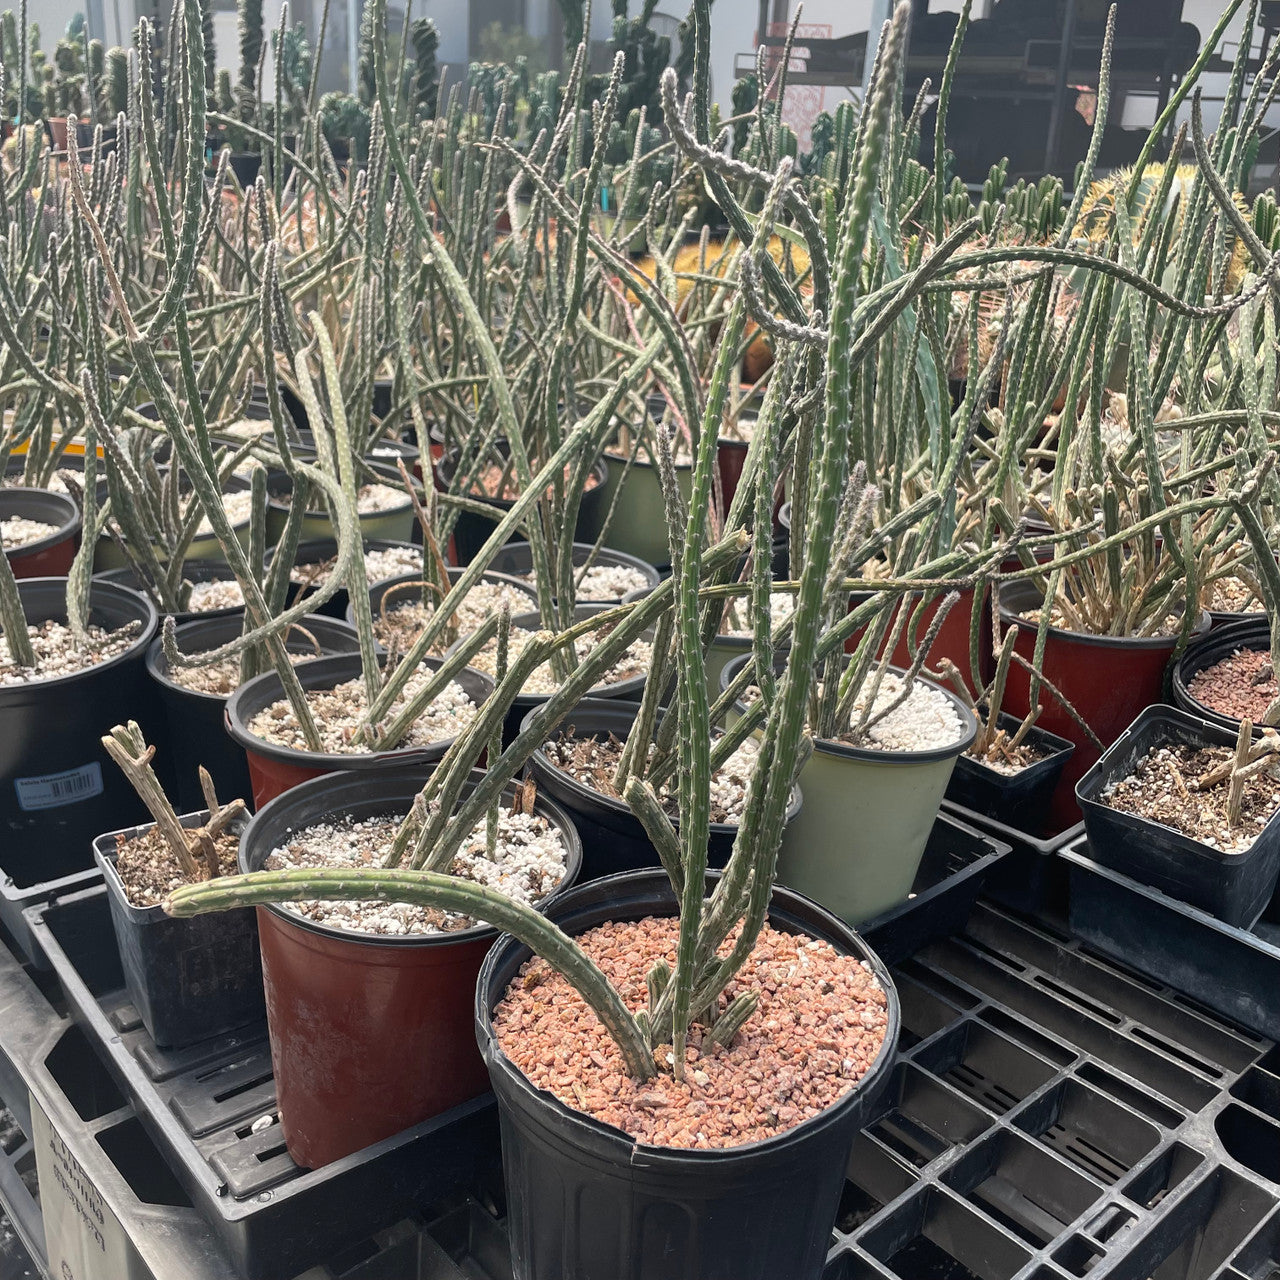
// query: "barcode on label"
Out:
[52,790]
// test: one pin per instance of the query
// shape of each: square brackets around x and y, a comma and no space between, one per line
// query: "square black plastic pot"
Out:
[1018,799]
[1234,887]
[188,979]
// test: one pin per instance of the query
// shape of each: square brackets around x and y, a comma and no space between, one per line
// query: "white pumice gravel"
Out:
[528,863]
[225,593]
[18,531]
[927,720]
[388,562]
[57,655]
[593,763]
[603,582]
[370,499]
[339,712]
[238,506]
[54,484]
[221,679]
[542,680]
[406,615]
[737,617]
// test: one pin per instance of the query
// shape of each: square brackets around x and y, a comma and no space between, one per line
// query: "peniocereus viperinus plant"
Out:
[740,899]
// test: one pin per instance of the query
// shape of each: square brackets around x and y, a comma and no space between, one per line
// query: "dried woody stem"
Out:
[194,847]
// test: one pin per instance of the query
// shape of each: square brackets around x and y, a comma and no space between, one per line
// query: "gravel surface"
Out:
[57,655]
[1231,595]
[238,506]
[603,582]
[1163,788]
[17,531]
[225,593]
[339,712]
[542,680]
[391,562]
[528,863]
[370,499]
[150,871]
[593,763]
[1057,618]
[820,1023]
[1241,685]
[219,678]
[737,617]
[927,720]
[406,615]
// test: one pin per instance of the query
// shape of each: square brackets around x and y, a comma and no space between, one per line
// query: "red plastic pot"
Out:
[50,556]
[369,1034]
[275,769]
[1108,679]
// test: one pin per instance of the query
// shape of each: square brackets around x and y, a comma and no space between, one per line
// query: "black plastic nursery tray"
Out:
[1232,968]
[16,899]
[199,1104]
[1055,1115]
[957,862]
[1029,879]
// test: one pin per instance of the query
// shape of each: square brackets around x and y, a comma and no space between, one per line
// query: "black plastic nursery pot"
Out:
[50,556]
[1017,799]
[408,587]
[585,1200]
[319,550]
[1235,887]
[472,530]
[195,571]
[273,769]
[629,690]
[1207,651]
[516,560]
[613,839]
[1107,679]
[188,979]
[58,787]
[369,1033]
[197,721]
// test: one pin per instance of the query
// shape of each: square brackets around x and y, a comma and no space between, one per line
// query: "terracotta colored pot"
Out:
[275,769]
[369,1034]
[50,556]
[1108,679]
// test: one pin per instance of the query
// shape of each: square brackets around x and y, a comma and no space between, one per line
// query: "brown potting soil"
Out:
[820,1023]
[1241,685]
[594,762]
[1008,761]
[1163,788]
[149,868]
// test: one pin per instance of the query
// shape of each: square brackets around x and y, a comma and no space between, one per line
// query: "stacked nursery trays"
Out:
[1052,1115]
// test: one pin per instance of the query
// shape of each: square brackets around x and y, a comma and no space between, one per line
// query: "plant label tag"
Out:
[84,1238]
[53,790]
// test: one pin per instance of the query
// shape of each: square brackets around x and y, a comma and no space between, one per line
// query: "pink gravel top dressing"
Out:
[820,1024]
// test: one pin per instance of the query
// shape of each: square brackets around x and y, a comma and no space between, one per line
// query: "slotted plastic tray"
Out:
[1053,1114]
[199,1104]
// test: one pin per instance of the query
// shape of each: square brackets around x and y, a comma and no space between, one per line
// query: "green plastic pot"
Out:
[856,844]
[396,525]
[107,554]
[639,522]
